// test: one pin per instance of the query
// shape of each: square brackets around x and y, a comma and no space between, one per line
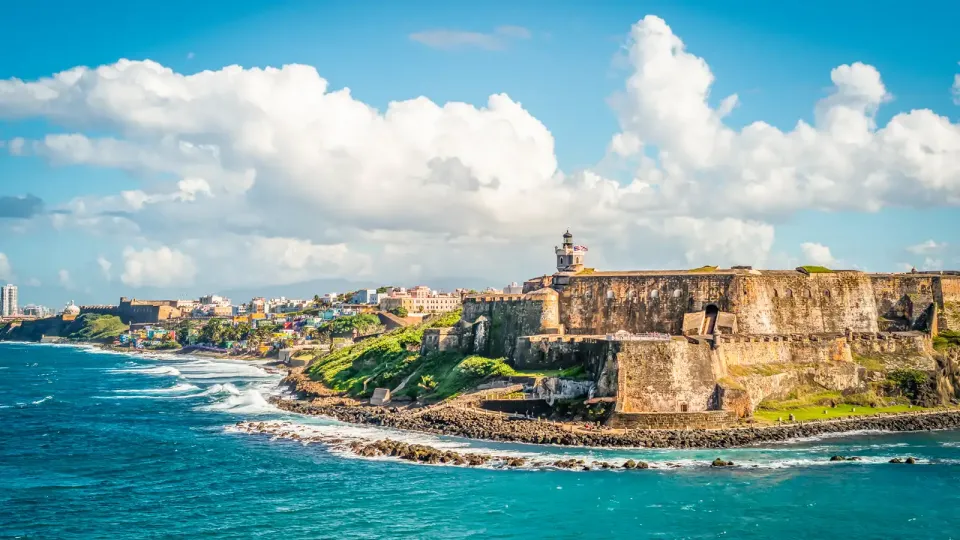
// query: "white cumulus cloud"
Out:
[817,254]
[262,176]
[159,267]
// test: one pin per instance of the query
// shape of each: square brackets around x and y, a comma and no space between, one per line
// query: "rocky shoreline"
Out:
[424,454]
[477,424]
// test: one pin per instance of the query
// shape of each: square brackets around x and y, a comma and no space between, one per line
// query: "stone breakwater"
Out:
[420,453]
[477,424]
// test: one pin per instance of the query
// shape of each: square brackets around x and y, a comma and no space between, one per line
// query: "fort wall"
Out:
[768,302]
[664,376]
[788,302]
[508,317]
[781,349]
[600,304]
[948,291]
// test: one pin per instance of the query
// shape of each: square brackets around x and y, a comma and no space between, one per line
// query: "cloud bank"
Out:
[267,176]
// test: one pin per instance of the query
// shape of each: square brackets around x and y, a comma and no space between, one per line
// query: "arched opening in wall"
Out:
[789,293]
[710,318]
[776,294]
[677,293]
[826,293]
[684,407]
[610,296]
[654,294]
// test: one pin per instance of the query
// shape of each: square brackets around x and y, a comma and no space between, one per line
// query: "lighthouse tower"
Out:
[569,256]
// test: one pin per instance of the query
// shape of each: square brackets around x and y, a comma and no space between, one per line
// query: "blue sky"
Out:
[776,56]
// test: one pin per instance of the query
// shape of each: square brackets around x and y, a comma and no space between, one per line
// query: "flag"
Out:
[580,248]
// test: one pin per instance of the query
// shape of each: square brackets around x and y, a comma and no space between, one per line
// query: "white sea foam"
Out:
[155,370]
[206,369]
[179,388]
[42,400]
[217,389]
[248,401]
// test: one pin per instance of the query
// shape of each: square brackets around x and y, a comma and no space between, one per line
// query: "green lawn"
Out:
[815,412]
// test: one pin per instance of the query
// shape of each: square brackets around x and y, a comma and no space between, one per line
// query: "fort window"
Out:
[789,293]
[684,407]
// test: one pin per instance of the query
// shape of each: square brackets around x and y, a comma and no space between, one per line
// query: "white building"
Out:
[513,288]
[8,300]
[365,296]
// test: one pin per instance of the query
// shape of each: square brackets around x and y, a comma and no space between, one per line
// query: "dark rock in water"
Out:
[630,464]
[721,463]
[642,465]
[910,460]
[837,458]
[516,462]
[896,460]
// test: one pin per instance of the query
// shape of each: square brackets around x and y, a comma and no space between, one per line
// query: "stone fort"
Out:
[710,342]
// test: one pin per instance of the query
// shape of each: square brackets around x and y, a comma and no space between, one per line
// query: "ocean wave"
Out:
[206,369]
[216,389]
[179,388]
[246,402]
[155,370]
[21,404]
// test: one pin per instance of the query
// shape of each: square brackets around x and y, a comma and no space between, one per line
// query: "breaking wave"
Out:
[180,388]
[206,369]
[217,389]
[156,370]
[245,402]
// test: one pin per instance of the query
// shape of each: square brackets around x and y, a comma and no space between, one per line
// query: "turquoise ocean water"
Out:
[96,445]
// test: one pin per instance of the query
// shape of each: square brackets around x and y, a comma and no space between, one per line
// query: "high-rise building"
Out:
[8,300]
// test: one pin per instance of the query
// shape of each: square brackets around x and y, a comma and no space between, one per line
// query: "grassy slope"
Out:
[385,361]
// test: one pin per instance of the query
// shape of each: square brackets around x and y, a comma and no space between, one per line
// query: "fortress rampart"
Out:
[708,340]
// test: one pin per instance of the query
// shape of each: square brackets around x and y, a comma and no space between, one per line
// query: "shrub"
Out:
[400,311]
[946,339]
[910,381]
[480,367]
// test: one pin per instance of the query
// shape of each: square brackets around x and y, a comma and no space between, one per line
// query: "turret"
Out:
[569,256]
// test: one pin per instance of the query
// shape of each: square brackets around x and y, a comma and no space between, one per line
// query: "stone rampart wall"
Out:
[949,303]
[664,376]
[771,302]
[782,350]
[509,317]
[598,304]
[787,302]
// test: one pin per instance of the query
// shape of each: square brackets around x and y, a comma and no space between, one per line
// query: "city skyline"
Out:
[263,149]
